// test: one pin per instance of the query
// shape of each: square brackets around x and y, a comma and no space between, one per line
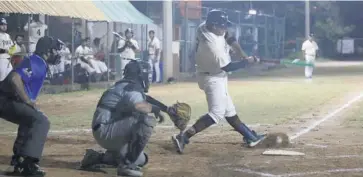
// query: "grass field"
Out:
[278,100]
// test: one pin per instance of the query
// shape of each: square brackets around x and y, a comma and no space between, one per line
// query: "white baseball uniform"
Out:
[5,65]
[87,53]
[36,31]
[211,55]
[154,58]
[128,53]
[309,48]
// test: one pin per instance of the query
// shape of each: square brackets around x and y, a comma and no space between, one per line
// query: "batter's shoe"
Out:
[180,141]
[259,139]
[91,158]
[126,170]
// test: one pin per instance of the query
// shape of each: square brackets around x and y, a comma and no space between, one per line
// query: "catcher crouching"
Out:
[121,123]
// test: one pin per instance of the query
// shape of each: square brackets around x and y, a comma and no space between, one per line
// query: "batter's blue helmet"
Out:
[218,18]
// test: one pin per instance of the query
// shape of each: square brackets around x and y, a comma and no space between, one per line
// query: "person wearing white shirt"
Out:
[127,48]
[309,49]
[154,51]
[83,54]
[5,44]
[36,30]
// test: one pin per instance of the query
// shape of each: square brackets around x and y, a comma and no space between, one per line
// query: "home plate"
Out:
[277,152]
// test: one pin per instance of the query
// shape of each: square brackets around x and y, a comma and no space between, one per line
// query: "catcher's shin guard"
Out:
[140,137]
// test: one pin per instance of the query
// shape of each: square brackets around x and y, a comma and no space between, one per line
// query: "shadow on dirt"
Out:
[70,140]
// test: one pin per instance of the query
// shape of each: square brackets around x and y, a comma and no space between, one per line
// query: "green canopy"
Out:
[121,11]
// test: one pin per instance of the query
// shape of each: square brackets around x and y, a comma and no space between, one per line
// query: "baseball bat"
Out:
[287,62]
[118,35]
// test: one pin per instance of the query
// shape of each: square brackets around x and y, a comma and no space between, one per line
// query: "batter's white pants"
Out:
[99,66]
[5,68]
[309,69]
[155,66]
[220,104]
[124,62]
[32,47]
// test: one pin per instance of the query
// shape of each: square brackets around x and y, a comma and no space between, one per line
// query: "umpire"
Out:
[121,123]
[18,93]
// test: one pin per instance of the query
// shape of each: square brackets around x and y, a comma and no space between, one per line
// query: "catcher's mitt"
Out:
[180,114]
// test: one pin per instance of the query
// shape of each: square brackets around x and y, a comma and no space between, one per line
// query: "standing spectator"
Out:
[127,48]
[309,49]
[5,44]
[36,30]
[153,47]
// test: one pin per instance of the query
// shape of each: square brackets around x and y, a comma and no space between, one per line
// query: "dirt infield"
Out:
[332,148]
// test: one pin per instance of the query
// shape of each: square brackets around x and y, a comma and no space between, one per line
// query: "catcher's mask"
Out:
[138,71]
[48,48]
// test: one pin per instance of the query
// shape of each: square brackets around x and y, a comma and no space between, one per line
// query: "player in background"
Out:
[18,95]
[154,51]
[127,47]
[309,49]
[213,63]
[5,44]
[36,30]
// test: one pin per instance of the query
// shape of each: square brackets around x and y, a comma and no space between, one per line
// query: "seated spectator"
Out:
[20,50]
[83,54]
[99,56]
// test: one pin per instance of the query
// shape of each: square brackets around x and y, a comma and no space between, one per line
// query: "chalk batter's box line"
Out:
[262,174]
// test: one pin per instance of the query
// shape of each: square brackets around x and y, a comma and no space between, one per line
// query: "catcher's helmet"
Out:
[218,18]
[138,71]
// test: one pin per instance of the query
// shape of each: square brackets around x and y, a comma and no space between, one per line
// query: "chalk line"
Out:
[332,114]
[85,130]
[322,172]
[249,171]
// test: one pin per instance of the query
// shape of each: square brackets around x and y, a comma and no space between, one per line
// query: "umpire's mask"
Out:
[138,71]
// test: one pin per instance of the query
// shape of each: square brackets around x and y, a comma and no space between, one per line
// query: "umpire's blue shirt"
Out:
[32,71]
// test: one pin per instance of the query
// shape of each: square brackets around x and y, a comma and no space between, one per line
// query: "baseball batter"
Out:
[36,31]
[18,94]
[309,49]
[213,63]
[5,44]
[121,123]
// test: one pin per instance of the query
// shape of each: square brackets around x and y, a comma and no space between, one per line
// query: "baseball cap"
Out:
[3,21]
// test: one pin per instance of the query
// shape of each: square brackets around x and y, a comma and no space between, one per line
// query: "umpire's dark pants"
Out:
[33,127]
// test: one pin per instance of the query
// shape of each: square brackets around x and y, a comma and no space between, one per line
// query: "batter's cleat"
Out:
[91,158]
[126,170]
[252,143]
[180,141]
